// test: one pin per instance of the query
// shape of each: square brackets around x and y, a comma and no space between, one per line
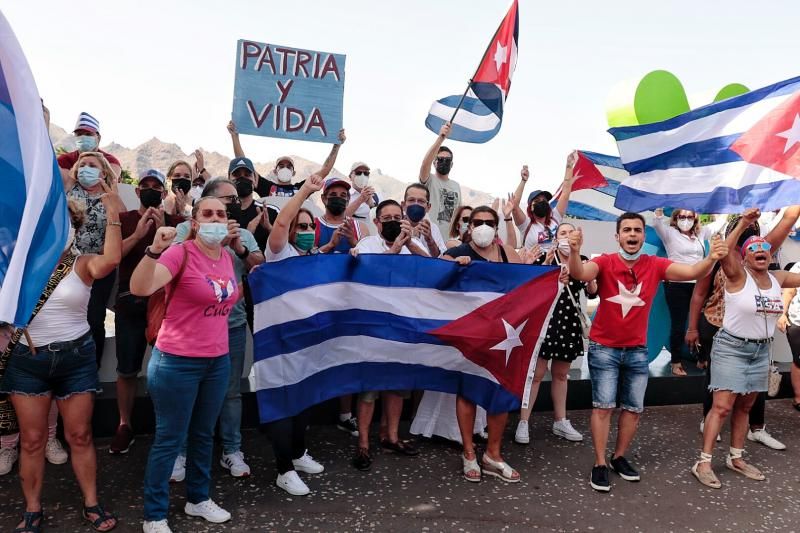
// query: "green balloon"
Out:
[731,90]
[659,96]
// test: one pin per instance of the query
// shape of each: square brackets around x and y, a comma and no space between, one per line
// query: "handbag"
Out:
[583,316]
[158,302]
[774,377]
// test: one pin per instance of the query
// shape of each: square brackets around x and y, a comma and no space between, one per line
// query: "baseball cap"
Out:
[359,164]
[536,193]
[241,162]
[285,158]
[333,180]
[87,122]
[152,173]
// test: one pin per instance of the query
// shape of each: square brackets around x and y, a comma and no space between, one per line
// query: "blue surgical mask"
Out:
[212,233]
[415,213]
[88,176]
[86,143]
[630,257]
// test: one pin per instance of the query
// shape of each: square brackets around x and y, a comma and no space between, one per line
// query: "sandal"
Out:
[677,370]
[472,472]
[403,447]
[747,470]
[499,469]
[709,479]
[29,518]
[102,516]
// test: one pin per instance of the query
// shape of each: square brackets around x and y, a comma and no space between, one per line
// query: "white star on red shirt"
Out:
[627,299]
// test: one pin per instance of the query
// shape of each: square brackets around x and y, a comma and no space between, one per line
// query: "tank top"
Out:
[752,312]
[63,316]
[466,250]
[323,234]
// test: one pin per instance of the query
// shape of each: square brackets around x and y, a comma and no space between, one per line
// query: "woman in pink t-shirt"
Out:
[188,371]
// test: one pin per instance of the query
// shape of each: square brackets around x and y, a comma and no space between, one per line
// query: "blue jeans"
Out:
[187,394]
[230,419]
[607,365]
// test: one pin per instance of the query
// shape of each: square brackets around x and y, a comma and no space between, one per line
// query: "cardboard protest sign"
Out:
[287,92]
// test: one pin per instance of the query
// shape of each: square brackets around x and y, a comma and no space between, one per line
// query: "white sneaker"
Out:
[156,526]
[703,425]
[8,456]
[291,483]
[307,464]
[234,462]
[564,429]
[761,435]
[55,452]
[178,470]
[522,436]
[208,510]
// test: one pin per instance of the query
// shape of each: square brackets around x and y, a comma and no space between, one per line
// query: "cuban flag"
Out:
[737,153]
[33,210]
[479,112]
[597,178]
[389,322]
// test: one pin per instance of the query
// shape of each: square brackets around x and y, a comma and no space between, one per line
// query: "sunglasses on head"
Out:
[764,246]
[477,223]
[208,213]
[305,226]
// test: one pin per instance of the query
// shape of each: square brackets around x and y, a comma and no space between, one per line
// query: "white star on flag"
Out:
[627,299]
[792,135]
[512,339]
[500,56]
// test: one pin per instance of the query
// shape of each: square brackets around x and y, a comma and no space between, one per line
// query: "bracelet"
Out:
[244,254]
[114,223]
[151,254]
[691,331]
[509,219]
[201,171]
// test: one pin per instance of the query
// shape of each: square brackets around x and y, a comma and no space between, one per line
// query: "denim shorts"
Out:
[623,370]
[58,369]
[738,365]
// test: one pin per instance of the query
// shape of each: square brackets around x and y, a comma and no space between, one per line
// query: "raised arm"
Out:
[577,268]
[101,265]
[279,236]
[783,227]
[518,214]
[660,224]
[330,161]
[701,269]
[237,145]
[430,155]
[508,210]
[150,275]
[732,265]
[566,187]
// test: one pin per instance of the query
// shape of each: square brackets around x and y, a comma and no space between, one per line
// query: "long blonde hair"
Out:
[108,172]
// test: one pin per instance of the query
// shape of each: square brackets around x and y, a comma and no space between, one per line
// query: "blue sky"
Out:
[166,69]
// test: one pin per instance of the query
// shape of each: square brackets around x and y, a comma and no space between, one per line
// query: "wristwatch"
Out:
[244,254]
[151,254]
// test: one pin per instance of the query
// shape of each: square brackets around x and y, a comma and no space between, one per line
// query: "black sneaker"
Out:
[599,479]
[122,440]
[363,460]
[621,466]
[350,425]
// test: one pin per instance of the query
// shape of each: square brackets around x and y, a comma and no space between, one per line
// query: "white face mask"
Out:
[483,236]
[463,227]
[284,175]
[360,181]
[685,225]
[563,246]
[70,238]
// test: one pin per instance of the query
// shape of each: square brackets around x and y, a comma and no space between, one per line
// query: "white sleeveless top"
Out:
[63,316]
[745,311]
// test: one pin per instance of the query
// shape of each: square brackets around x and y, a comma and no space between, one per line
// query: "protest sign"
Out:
[287,92]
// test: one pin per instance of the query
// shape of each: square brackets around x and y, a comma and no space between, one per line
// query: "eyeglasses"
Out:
[756,246]
[477,223]
[395,218]
[230,199]
[444,159]
[465,220]
[635,280]
[685,217]
[208,213]
[305,226]
[361,173]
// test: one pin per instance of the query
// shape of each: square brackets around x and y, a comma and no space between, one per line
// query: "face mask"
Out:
[212,233]
[390,230]
[563,246]
[88,176]
[630,257]
[85,143]
[244,188]
[360,181]
[463,227]
[234,210]
[150,197]
[305,240]
[541,209]
[415,213]
[483,236]
[284,175]
[336,205]
[70,238]
[182,185]
[443,166]
[685,225]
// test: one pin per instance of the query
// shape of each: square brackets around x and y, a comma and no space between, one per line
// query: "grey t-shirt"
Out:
[445,200]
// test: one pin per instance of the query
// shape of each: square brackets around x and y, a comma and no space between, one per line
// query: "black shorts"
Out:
[793,336]
[130,324]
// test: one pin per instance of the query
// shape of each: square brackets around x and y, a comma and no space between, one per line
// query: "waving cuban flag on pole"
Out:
[477,114]
[33,210]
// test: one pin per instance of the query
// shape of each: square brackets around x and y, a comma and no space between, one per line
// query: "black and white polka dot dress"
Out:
[564,338]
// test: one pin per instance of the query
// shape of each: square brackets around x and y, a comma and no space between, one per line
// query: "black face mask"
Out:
[390,230]
[244,188]
[234,210]
[541,209]
[336,205]
[183,185]
[443,166]
[150,197]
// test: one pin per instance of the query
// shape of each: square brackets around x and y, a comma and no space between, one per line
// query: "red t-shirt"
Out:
[626,296]
[68,160]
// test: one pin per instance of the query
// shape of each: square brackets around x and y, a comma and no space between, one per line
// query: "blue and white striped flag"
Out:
[33,209]
[596,203]
[720,158]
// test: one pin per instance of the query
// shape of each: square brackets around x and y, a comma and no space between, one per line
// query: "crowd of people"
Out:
[181,259]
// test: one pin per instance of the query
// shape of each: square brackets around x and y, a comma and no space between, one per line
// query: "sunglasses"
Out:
[465,220]
[685,217]
[635,280]
[443,159]
[361,173]
[208,213]
[477,223]
[305,226]
[756,246]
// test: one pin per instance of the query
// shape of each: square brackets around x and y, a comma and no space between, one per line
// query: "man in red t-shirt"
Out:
[87,139]
[627,284]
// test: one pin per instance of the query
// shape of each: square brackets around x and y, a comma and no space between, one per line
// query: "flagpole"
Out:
[460,102]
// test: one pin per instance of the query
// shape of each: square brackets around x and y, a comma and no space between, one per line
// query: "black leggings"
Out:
[707,332]
[288,437]
[793,336]
[678,296]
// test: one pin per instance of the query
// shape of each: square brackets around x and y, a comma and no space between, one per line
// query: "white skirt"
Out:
[436,415]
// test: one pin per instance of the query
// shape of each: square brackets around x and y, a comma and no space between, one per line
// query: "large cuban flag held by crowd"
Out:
[720,158]
[329,325]
[33,209]
[480,110]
